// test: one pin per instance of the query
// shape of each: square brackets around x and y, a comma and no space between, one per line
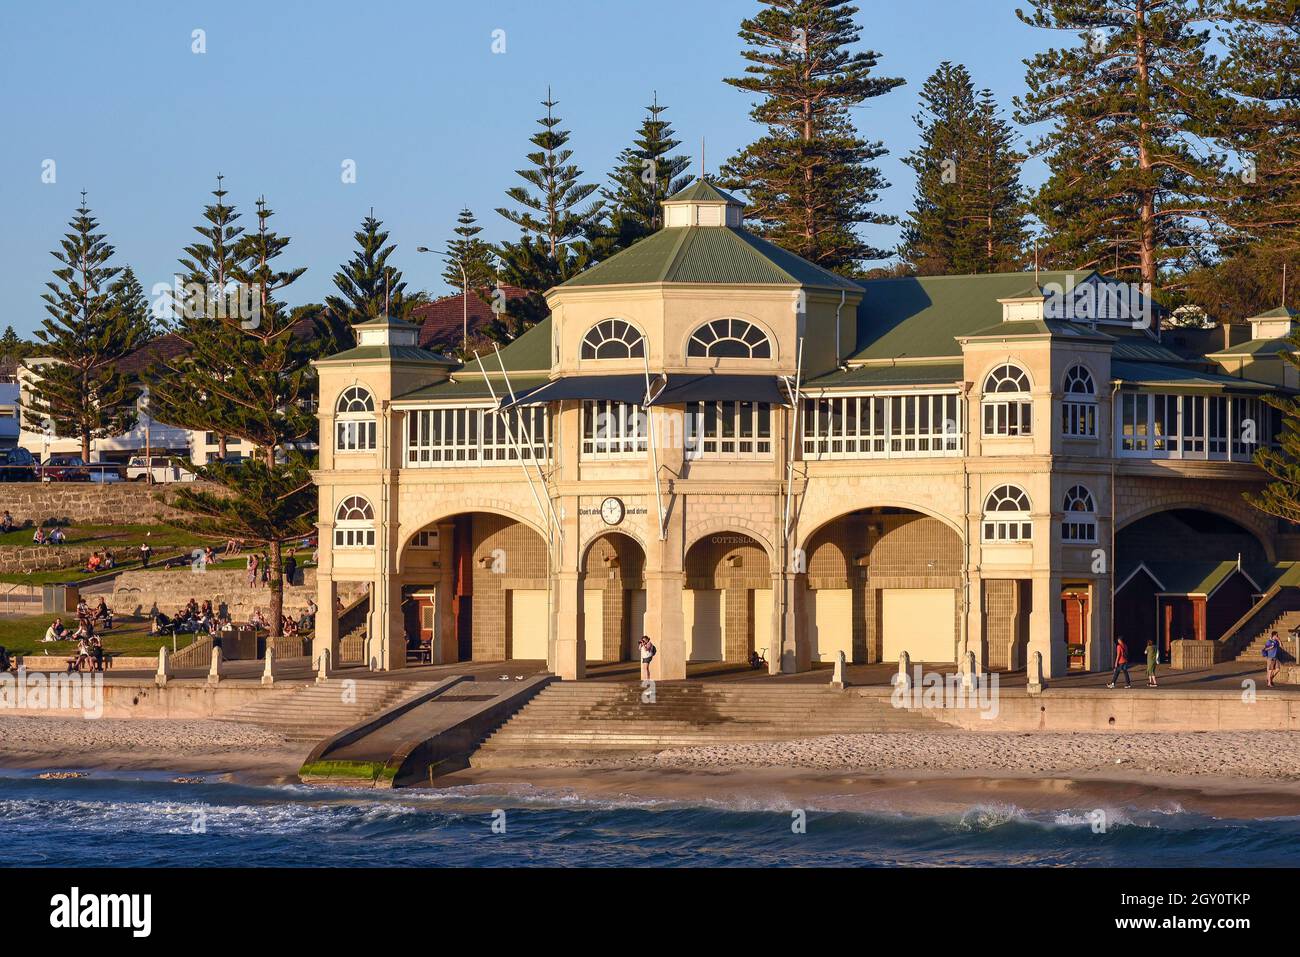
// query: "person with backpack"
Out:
[1272,650]
[647,655]
[1121,663]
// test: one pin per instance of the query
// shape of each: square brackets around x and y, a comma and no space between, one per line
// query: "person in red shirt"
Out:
[1121,663]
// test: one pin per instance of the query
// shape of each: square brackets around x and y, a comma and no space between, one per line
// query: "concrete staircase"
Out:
[588,719]
[314,712]
[1282,625]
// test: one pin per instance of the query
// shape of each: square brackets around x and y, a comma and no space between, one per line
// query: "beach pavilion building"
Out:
[725,447]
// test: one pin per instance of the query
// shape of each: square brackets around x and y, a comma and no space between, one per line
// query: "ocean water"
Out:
[147,820]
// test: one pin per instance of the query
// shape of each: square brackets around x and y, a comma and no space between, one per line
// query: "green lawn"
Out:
[124,541]
[22,636]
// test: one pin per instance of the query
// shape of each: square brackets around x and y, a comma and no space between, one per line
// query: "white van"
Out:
[139,468]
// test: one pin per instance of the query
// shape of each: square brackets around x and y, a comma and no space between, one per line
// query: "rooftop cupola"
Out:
[703,204]
[1275,324]
[386,331]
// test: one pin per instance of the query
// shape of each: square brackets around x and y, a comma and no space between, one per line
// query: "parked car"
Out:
[105,472]
[139,468]
[64,468]
[17,465]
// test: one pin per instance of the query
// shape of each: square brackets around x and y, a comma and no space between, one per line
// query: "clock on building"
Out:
[611,511]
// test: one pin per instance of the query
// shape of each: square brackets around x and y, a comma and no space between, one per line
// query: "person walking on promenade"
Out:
[1272,649]
[1153,658]
[1121,663]
[647,655]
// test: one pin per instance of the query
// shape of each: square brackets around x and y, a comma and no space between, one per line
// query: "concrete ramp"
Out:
[429,734]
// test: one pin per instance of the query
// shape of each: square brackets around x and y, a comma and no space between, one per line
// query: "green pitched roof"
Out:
[919,316]
[1257,347]
[390,354]
[1281,312]
[1039,327]
[466,386]
[1155,374]
[708,254]
[704,192]
[911,373]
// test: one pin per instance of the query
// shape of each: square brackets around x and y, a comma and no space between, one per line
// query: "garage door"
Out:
[921,622]
[830,623]
[528,620]
[593,607]
[763,622]
[703,623]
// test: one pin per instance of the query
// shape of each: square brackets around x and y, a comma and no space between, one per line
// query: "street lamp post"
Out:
[464,291]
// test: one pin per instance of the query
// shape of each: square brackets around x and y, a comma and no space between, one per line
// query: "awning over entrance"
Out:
[617,388]
[711,387]
[679,388]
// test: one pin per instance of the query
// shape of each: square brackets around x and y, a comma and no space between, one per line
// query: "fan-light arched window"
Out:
[613,339]
[729,339]
[354,421]
[1006,515]
[1079,407]
[1080,522]
[354,523]
[1008,407]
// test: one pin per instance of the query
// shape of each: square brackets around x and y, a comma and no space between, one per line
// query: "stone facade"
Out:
[88,503]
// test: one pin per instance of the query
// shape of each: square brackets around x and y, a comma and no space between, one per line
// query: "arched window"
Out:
[1079,408]
[354,421]
[1078,381]
[1006,515]
[1080,522]
[1008,407]
[729,339]
[613,339]
[354,524]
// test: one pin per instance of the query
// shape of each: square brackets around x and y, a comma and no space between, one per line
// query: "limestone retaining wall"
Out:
[141,592]
[87,503]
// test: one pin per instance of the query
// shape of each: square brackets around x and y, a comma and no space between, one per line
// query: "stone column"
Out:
[387,644]
[445,647]
[570,623]
[326,636]
[664,624]
[975,640]
[1046,628]
[796,652]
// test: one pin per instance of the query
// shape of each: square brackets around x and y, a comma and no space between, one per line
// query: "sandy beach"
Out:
[244,751]
[1224,773]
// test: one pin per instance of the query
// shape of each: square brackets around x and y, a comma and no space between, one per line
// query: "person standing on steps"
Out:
[1272,649]
[1121,663]
[647,655]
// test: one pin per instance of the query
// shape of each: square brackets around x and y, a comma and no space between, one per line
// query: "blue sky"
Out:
[410,91]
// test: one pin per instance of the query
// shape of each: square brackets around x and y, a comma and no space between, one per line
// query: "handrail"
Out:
[1230,639]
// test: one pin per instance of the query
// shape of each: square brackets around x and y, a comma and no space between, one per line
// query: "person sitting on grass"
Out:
[7,662]
[258,620]
[210,555]
[56,631]
[38,537]
[6,522]
[160,624]
[94,562]
[57,536]
[104,614]
[108,562]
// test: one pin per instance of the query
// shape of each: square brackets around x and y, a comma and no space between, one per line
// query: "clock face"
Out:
[611,510]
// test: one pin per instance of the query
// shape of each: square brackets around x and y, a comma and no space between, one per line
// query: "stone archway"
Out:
[486,576]
[727,604]
[882,580]
[613,568]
